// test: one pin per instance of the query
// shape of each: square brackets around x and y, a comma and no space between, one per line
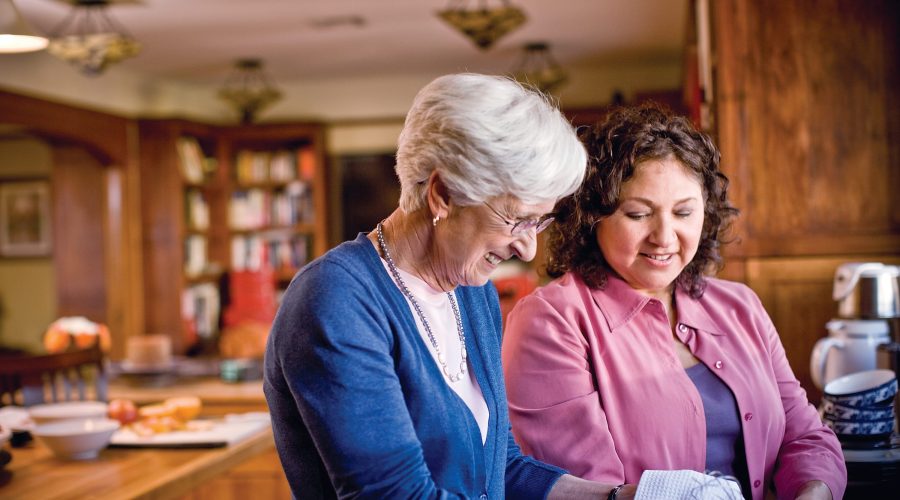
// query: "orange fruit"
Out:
[155,411]
[184,408]
[84,340]
[56,340]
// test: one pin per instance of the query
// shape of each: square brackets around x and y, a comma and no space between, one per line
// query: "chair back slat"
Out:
[79,383]
[32,395]
[53,377]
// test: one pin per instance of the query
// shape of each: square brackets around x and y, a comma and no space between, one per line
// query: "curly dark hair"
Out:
[627,137]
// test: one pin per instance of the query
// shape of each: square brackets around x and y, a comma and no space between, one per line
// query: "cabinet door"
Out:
[796,292]
[806,94]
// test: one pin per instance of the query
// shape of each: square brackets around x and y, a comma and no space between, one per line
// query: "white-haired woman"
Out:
[383,369]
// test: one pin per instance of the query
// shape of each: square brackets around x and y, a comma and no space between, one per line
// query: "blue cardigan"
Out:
[359,407]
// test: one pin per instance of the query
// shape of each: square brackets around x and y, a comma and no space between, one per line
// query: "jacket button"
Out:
[718,364]
[757,483]
[682,328]
[483,497]
[748,416]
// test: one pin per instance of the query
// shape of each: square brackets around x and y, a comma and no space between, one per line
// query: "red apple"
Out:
[122,410]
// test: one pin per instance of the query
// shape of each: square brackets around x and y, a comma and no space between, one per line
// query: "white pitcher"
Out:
[851,346]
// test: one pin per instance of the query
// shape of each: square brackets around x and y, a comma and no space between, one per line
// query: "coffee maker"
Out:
[865,336]
[867,306]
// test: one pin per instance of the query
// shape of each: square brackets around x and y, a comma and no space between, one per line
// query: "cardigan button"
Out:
[757,483]
[748,416]
[682,328]
[719,364]
[483,496]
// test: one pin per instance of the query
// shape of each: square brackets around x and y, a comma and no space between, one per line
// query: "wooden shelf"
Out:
[165,188]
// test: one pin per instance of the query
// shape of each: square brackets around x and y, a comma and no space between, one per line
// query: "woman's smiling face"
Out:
[655,231]
[478,240]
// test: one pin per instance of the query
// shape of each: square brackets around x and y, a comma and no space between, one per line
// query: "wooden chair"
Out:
[30,380]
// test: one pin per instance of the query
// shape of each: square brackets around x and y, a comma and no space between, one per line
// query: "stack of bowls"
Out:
[859,407]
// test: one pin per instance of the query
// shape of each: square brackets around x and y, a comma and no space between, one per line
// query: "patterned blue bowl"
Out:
[834,411]
[861,389]
[859,429]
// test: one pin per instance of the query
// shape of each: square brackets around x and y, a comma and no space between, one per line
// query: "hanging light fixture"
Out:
[538,67]
[16,36]
[90,39]
[248,89]
[483,24]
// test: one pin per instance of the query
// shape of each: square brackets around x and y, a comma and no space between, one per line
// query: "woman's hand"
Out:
[627,492]
[814,490]
[569,487]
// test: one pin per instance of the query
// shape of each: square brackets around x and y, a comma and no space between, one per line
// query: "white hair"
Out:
[487,136]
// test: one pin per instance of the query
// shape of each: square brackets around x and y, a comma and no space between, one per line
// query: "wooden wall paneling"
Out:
[161,195]
[103,134]
[796,293]
[79,233]
[125,282]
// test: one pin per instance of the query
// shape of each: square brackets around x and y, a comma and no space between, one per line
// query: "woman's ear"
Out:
[438,196]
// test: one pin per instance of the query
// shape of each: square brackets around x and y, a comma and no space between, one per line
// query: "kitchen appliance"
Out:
[851,346]
[869,290]
[864,336]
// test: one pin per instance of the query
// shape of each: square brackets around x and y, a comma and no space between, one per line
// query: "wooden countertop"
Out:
[124,472]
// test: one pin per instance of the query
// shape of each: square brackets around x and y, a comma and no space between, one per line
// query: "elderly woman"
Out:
[382,369]
[632,360]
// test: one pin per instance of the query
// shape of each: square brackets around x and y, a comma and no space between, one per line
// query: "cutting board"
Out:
[222,433]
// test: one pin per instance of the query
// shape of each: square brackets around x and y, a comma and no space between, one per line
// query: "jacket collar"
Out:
[619,304]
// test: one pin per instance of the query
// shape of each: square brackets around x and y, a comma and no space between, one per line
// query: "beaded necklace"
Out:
[453,377]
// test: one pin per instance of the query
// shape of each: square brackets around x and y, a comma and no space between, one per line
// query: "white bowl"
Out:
[69,410]
[870,387]
[77,439]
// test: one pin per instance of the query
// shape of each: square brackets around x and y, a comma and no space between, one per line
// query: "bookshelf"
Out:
[242,206]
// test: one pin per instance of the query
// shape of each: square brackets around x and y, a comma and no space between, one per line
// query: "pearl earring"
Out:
[435,220]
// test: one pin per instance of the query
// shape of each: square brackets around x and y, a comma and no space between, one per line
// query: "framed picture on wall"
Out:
[25,219]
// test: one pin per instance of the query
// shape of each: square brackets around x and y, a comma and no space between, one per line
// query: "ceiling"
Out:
[313,40]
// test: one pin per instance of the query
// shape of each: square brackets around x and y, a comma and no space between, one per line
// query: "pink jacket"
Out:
[594,386]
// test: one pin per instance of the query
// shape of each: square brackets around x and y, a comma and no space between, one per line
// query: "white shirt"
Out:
[436,307]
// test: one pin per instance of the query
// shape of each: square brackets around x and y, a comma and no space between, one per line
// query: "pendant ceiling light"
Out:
[16,35]
[538,67]
[248,89]
[482,23]
[90,39]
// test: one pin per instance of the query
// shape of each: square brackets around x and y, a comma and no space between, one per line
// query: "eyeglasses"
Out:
[525,225]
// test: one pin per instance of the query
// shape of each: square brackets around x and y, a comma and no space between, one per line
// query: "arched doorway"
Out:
[96,217]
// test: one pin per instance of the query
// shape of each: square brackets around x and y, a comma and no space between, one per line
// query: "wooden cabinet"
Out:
[192,227]
[804,98]
[803,101]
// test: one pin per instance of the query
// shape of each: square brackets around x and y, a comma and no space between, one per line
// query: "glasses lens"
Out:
[544,224]
[526,225]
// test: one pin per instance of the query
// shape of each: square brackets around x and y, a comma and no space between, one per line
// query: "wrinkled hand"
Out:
[814,490]
[627,492]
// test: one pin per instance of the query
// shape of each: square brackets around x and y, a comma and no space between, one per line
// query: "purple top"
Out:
[724,441]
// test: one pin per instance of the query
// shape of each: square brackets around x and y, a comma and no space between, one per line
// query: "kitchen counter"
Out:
[248,468]
[125,472]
